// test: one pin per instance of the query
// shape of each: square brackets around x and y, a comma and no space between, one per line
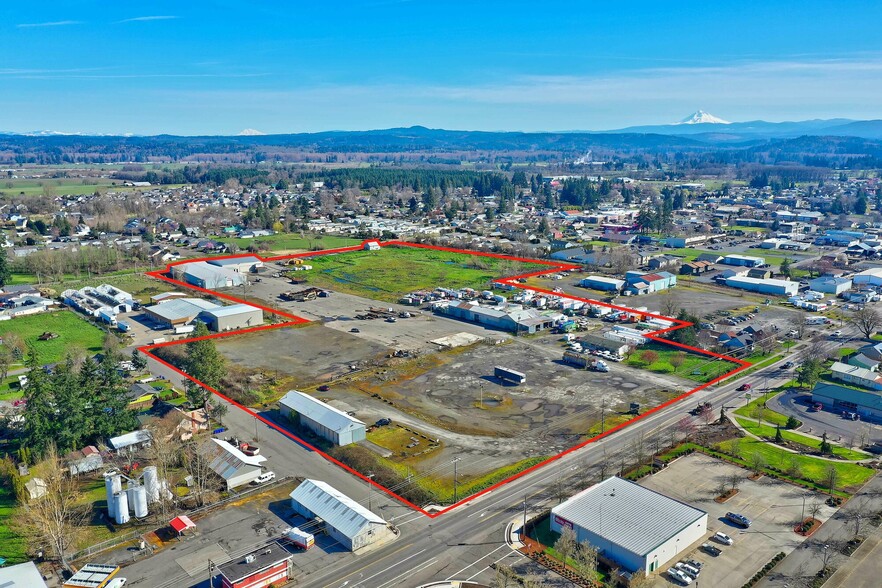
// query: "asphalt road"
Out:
[464,543]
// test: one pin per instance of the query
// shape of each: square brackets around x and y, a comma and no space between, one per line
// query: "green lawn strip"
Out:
[757,364]
[845,351]
[73,332]
[768,431]
[285,241]
[9,389]
[770,416]
[392,272]
[442,489]
[707,366]
[812,469]
[12,545]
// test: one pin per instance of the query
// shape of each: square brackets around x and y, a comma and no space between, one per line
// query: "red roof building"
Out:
[260,568]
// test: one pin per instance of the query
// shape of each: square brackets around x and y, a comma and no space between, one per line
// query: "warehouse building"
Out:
[346,521]
[743,260]
[322,419]
[228,462]
[773,287]
[602,283]
[23,575]
[636,527]
[245,264]
[268,566]
[641,283]
[866,403]
[830,285]
[235,316]
[511,318]
[210,277]
[177,312]
[872,277]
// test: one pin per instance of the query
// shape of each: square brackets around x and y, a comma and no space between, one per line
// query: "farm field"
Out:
[74,333]
[67,186]
[394,271]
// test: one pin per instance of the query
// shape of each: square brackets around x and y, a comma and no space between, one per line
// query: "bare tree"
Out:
[734,480]
[816,350]
[505,577]
[586,559]
[165,454]
[707,414]
[620,260]
[566,545]
[638,448]
[670,303]
[867,320]
[757,462]
[814,508]
[54,518]
[864,436]
[203,481]
[857,514]
[758,412]
[831,477]
[768,344]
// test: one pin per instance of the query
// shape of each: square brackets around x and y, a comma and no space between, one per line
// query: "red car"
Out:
[744,387]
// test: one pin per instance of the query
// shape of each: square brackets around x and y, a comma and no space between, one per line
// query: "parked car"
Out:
[836,334]
[116,583]
[264,478]
[354,330]
[679,577]
[723,538]
[687,569]
[711,550]
[695,564]
[324,388]
[383,422]
[738,519]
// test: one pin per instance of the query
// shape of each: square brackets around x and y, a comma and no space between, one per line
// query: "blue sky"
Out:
[200,67]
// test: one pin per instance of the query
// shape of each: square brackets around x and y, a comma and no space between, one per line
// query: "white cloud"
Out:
[57,23]
[148,18]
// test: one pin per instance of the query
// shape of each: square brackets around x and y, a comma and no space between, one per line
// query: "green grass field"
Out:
[74,333]
[810,443]
[394,271]
[288,242]
[699,368]
[12,545]
[811,469]
[66,186]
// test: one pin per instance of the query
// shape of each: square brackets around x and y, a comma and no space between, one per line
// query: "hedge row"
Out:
[766,569]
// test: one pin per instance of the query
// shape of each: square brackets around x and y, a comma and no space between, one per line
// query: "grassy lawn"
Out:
[811,443]
[9,389]
[286,242]
[811,469]
[12,545]
[74,333]
[769,416]
[392,272]
[442,488]
[696,367]
[65,186]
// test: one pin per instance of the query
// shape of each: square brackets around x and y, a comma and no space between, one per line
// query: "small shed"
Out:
[181,524]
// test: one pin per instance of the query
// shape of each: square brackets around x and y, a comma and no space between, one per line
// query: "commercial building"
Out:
[177,312]
[743,260]
[321,418]
[772,287]
[640,283]
[228,462]
[834,397]
[235,316]
[604,343]
[602,283]
[635,527]
[131,441]
[857,375]
[210,277]
[103,302]
[269,565]
[830,285]
[244,264]
[92,576]
[511,318]
[23,575]
[871,277]
[346,521]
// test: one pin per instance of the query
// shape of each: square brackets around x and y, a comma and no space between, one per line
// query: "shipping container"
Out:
[509,375]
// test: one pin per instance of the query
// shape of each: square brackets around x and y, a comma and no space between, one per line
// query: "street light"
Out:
[455,460]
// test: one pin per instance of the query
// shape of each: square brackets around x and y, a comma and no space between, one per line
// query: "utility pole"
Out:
[602,414]
[370,478]
[256,435]
[524,528]
[455,460]
[482,395]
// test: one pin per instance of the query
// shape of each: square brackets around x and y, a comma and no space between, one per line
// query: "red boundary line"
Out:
[511,281]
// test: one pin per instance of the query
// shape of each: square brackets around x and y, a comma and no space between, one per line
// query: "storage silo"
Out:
[151,484]
[112,485]
[122,508]
[138,498]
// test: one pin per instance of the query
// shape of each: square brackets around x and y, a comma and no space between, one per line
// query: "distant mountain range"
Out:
[706,127]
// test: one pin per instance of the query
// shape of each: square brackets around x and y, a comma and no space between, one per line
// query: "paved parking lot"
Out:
[774,508]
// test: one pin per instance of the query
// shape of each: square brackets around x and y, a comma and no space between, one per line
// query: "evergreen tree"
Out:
[785,268]
[5,272]
[860,204]
[204,362]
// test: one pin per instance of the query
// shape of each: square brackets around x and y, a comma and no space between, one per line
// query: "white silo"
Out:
[151,484]
[138,498]
[122,508]
[112,485]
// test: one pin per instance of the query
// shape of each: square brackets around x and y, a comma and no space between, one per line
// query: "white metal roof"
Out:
[228,459]
[133,438]
[627,514]
[24,575]
[320,412]
[232,310]
[334,507]
[180,308]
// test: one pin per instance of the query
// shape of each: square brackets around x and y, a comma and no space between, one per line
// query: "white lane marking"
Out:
[520,557]
[386,569]
[409,573]
[475,562]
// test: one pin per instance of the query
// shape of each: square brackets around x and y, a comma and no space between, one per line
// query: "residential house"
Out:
[856,375]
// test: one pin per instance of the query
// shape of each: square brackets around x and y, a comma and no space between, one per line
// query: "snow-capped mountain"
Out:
[702,117]
[250,133]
